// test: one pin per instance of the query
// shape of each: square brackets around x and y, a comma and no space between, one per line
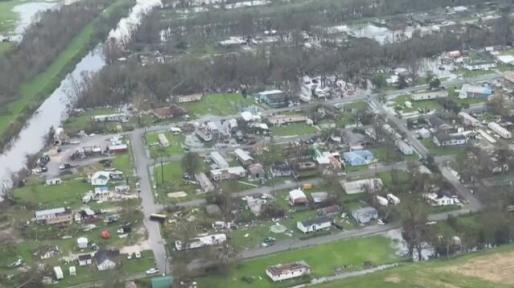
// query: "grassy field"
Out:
[218,104]
[424,105]
[323,259]
[69,193]
[294,129]
[489,269]
[173,181]
[441,151]
[175,147]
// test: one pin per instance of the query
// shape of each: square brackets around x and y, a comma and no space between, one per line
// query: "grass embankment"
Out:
[34,92]
[8,17]
[488,269]
[323,259]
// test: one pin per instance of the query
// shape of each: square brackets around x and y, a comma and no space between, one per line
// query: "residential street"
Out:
[155,239]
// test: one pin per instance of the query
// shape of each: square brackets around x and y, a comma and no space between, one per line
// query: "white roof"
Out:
[219,160]
[42,213]
[507,59]
[296,194]
[243,155]
[353,187]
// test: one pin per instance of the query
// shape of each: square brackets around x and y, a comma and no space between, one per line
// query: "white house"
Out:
[228,173]
[429,95]
[82,242]
[219,160]
[382,200]
[54,181]
[202,241]
[393,199]
[498,129]
[282,272]
[297,197]
[315,224]
[468,119]
[360,186]
[100,178]
[405,148]
[243,156]
[435,199]
[58,273]
[106,259]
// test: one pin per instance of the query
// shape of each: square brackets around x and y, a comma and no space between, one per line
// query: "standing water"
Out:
[54,109]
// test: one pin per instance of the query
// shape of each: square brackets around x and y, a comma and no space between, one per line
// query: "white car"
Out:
[152,271]
[137,254]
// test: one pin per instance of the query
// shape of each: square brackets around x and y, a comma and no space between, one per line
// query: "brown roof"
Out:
[168,112]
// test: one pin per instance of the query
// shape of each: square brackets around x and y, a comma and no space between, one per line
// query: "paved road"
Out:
[366,231]
[156,242]
[460,189]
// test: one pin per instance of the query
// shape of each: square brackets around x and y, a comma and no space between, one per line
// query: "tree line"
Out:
[42,42]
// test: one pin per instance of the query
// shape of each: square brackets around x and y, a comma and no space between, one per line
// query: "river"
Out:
[54,109]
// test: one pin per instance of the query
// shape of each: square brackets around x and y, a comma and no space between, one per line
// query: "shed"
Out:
[82,242]
[297,197]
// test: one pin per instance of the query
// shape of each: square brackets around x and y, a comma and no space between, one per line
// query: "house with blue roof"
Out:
[358,158]
[472,91]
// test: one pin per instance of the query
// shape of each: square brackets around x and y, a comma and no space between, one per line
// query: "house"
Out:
[205,183]
[441,199]
[443,139]
[273,98]
[101,193]
[393,199]
[498,129]
[53,181]
[480,65]
[85,259]
[314,225]
[468,119]
[54,216]
[472,91]
[288,271]
[243,157]
[188,98]
[162,282]
[170,112]
[328,159]
[405,148]
[278,120]
[438,124]
[219,160]
[256,171]
[330,211]
[248,116]
[281,170]
[430,95]
[297,198]
[119,117]
[100,178]
[358,157]
[361,186]
[204,134]
[106,259]
[163,140]
[228,173]
[118,148]
[319,197]
[82,242]
[202,241]
[365,215]
[58,273]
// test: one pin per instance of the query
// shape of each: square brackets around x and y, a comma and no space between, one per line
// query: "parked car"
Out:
[152,271]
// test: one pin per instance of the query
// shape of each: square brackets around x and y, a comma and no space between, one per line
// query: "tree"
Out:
[434,83]
[414,216]
[191,163]
[402,82]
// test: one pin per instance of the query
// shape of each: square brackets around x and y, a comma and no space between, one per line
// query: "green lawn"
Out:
[293,129]
[323,259]
[175,147]
[437,274]
[173,181]
[69,193]
[218,104]
[423,105]
[441,151]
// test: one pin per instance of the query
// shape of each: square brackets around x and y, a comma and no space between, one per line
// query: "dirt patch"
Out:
[393,279]
[496,268]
